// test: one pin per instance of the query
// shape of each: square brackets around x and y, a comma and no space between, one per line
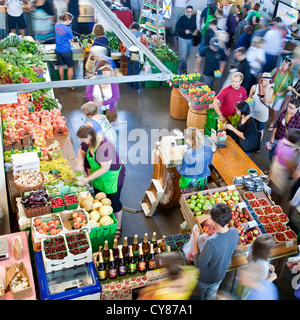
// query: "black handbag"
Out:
[196,40]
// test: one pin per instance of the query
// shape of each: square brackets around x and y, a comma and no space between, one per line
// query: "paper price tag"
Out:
[252,224]
[231,187]
[289,243]
[242,205]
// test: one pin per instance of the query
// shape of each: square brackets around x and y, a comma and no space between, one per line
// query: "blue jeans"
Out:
[208,291]
[133,69]
[184,52]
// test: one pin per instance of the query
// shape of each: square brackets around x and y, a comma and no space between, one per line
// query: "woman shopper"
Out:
[133,67]
[194,168]
[259,254]
[289,118]
[63,50]
[99,122]
[261,94]
[256,58]
[247,136]
[106,172]
[284,163]
[105,95]
[282,78]
[231,24]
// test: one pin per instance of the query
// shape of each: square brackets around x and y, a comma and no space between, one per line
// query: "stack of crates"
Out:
[211,122]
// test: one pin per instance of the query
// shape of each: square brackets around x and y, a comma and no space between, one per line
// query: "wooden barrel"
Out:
[178,105]
[196,118]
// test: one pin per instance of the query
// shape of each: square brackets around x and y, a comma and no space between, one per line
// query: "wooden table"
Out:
[232,162]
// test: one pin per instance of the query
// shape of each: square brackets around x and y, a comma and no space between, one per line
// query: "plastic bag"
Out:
[54,150]
[188,248]
[146,69]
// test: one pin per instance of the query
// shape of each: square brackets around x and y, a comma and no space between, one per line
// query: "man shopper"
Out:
[185,29]
[215,256]
[225,102]
[214,59]
[243,67]
[15,15]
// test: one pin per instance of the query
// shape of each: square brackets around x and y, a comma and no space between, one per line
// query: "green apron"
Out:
[206,24]
[184,182]
[108,182]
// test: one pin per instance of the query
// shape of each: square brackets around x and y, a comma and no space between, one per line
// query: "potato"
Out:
[100,195]
[87,205]
[106,202]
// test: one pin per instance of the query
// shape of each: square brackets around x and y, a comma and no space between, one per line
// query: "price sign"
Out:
[252,223]
[289,243]
[242,205]
[231,187]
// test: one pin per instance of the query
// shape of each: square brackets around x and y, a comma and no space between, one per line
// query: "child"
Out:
[99,122]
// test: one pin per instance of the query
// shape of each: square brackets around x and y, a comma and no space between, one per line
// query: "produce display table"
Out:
[125,16]
[232,161]
[67,153]
[26,261]
[51,58]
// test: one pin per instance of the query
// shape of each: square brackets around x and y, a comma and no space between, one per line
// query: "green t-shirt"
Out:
[278,79]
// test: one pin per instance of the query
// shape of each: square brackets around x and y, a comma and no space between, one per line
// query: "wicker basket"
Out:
[32,188]
[35,212]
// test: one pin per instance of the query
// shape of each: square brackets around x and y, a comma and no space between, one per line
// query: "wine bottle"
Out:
[116,251]
[163,244]
[153,240]
[151,258]
[106,253]
[142,266]
[158,258]
[122,264]
[112,268]
[125,249]
[131,262]
[145,245]
[135,247]
[98,256]
[102,271]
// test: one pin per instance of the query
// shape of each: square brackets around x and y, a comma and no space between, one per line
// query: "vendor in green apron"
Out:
[106,172]
[207,14]
[194,169]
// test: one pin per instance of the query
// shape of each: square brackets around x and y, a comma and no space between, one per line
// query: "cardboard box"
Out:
[2,289]
[12,272]
[23,161]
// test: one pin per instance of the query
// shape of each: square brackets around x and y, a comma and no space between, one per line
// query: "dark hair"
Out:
[98,30]
[84,131]
[65,16]
[248,29]
[221,213]
[135,26]
[295,102]
[243,106]
[241,50]
[261,247]
[256,6]
[278,20]
[213,21]
[293,135]
[189,7]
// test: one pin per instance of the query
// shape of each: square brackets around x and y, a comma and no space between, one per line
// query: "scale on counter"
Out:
[3,249]
[172,149]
